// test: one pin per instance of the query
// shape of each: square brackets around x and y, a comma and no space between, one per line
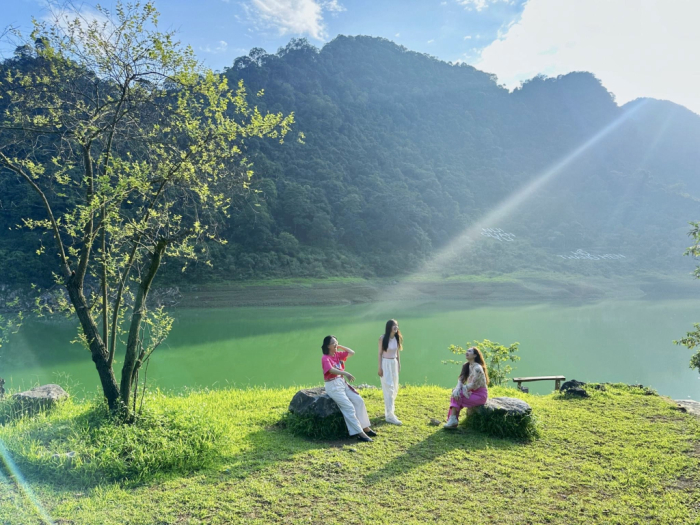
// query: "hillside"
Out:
[618,457]
[403,152]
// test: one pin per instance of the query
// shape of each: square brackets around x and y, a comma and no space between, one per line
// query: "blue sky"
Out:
[638,48]
[221,30]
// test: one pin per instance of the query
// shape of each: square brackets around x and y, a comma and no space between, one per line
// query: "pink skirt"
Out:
[478,397]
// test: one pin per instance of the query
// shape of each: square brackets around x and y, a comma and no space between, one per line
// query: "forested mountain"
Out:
[402,152]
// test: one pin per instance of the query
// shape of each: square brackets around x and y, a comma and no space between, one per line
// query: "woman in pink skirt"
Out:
[471,390]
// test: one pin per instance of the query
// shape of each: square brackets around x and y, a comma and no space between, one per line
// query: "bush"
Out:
[502,425]
[333,427]
[496,356]
[83,443]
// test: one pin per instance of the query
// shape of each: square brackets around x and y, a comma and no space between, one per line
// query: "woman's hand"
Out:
[349,377]
[380,373]
[456,392]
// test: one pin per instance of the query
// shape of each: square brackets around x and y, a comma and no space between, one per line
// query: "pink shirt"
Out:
[333,361]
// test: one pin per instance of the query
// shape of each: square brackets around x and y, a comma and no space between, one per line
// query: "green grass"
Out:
[616,457]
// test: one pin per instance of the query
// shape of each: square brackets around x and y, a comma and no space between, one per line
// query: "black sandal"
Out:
[371,433]
[364,438]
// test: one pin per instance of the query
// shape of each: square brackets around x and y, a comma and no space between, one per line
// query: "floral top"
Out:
[477,378]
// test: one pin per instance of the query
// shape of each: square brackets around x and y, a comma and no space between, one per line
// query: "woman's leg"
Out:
[336,391]
[359,407]
[477,398]
[390,386]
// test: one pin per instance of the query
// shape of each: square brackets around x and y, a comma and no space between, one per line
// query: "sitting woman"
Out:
[471,388]
[346,397]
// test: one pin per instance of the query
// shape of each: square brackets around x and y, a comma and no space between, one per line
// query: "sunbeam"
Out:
[509,205]
[22,484]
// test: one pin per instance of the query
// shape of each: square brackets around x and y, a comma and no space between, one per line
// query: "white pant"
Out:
[350,404]
[390,385]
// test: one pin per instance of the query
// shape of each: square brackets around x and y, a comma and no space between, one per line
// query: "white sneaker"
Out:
[393,420]
[452,422]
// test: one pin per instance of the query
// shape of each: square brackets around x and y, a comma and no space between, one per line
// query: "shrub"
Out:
[496,356]
[84,444]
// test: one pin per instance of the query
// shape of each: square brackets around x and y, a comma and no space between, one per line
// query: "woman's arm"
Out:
[338,372]
[381,353]
[346,349]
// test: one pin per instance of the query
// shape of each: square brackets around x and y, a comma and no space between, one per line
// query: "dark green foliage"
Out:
[403,151]
[501,425]
[314,427]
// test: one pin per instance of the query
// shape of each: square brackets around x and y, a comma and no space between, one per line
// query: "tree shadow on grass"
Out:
[436,445]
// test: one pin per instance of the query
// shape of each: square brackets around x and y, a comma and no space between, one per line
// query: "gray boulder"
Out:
[45,396]
[509,406]
[313,402]
[689,406]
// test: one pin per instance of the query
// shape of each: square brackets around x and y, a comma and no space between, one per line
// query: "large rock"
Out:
[45,396]
[313,402]
[509,406]
[689,406]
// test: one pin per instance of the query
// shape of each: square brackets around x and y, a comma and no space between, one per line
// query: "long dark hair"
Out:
[479,359]
[326,342]
[387,335]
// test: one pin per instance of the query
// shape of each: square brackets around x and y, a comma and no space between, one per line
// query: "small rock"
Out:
[574,388]
[572,383]
[576,392]
[45,396]
[338,464]
[365,386]
[435,422]
[350,449]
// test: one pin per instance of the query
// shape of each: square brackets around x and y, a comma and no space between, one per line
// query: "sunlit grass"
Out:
[617,457]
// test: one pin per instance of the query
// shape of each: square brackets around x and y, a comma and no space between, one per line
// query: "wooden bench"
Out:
[557,380]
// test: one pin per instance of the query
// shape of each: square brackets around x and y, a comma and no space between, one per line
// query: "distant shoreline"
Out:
[499,290]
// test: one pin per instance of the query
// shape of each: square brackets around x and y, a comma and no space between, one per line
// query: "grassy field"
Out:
[618,457]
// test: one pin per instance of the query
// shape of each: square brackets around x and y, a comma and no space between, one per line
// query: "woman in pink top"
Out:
[346,397]
[471,389]
[389,367]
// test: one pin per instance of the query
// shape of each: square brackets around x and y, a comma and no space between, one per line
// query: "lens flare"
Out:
[22,484]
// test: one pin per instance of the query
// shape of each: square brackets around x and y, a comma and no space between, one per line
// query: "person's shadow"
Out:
[437,444]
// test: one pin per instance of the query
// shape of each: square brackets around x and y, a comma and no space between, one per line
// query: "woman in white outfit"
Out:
[346,397]
[390,344]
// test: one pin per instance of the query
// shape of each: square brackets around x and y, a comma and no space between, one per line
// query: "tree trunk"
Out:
[98,350]
[136,319]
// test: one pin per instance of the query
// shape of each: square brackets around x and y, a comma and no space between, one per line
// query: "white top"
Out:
[391,350]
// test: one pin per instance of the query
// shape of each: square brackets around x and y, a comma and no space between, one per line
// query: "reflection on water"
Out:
[625,341]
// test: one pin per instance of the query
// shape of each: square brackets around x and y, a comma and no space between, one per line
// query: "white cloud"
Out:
[397,35]
[468,37]
[296,17]
[431,41]
[221,47]
[479,5]
[637,49]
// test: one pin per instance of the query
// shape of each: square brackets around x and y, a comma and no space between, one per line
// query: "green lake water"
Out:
[625,341]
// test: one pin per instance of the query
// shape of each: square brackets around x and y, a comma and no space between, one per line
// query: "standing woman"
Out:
[346,397]
[390,345]
[471,389]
